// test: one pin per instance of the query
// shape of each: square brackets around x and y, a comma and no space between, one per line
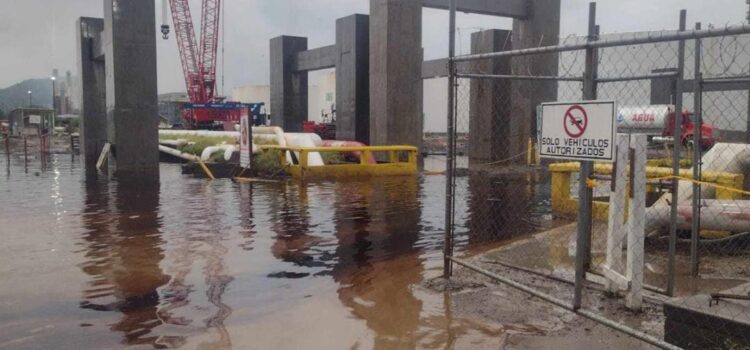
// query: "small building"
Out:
[30,120]
[170,108]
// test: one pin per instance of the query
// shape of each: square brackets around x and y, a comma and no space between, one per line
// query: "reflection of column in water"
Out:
[127,252]
[377,226]
[200,242]
[245,201]
[500,207]
[291,224]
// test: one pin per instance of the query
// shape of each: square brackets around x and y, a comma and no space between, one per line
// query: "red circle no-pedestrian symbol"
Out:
[575,121]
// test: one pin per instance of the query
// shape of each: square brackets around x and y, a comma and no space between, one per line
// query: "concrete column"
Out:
[662,89]
[93,88]
[129,46]
[288,88]
[395,72]
[352,78]
[540,28]
[489,111]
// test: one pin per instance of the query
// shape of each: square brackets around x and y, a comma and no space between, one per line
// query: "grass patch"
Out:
[267,163]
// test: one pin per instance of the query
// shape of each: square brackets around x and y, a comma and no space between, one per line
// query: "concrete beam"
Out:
[93,88]
[490,120]
[395,72]
[352,78]
[501,8]
[129,46]
[288,87]
[439,68]
[315,59]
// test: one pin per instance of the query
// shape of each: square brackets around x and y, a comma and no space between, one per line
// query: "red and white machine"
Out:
[658,120]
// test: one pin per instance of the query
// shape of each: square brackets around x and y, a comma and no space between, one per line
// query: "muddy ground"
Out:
[532,323]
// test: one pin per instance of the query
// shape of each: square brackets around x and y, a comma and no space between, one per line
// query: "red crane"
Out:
[206,109]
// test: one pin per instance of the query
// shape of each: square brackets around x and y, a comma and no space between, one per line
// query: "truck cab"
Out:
[709,133]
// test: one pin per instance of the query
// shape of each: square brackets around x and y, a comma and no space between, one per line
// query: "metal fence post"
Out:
[697,155]
[450,161]
[676,157]
[583,241]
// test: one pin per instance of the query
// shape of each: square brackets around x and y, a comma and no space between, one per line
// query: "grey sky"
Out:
[38,35]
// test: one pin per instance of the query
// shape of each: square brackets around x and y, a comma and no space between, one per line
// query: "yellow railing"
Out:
[392,167]
[564,204]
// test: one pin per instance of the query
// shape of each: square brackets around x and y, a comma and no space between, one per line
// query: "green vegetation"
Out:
[266,163]
[332,157]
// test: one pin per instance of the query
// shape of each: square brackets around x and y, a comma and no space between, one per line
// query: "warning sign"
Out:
[578,131]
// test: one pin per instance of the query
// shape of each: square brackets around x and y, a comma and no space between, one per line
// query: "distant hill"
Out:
[17,95]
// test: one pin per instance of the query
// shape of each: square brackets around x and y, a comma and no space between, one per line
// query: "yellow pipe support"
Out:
[728,185]
[206,170]
[363,168]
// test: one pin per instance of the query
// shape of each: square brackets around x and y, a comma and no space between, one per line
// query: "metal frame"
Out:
[636,40]
[590,81]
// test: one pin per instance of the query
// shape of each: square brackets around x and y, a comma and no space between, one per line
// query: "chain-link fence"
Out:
[654,242]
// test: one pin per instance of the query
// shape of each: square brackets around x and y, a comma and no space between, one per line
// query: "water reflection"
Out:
[377,227]
[124,255]
[502,207]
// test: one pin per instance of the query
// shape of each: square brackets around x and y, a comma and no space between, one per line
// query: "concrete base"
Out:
[692,324]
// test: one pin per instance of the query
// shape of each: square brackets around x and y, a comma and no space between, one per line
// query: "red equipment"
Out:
[199,66]
[709,133]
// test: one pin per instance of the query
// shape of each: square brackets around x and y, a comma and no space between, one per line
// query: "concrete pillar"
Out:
[663,89]
[489,110]
[540,28]
[352,78]
[129,46]
[395,72]
[93,88]
[288,88]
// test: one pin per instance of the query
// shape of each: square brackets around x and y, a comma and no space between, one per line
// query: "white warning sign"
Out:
[578,130]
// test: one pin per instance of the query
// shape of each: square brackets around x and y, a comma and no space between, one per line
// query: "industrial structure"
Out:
[206,110]
[117,68]
[379,73]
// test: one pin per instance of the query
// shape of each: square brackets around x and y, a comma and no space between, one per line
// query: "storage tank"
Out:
[643,119]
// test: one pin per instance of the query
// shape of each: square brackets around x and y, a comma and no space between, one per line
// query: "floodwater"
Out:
[196,264]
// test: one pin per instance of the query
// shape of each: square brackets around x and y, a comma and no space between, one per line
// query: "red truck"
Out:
[659,120]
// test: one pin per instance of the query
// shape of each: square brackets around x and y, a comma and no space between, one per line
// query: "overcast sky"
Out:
[39,35]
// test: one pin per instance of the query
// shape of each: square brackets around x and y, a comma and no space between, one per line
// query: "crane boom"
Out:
[185,36]
[209,45]
[206,109]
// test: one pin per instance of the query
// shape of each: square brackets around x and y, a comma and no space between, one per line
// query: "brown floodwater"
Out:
[190,263]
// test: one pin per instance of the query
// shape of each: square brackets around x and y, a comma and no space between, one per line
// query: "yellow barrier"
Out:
[728,185]
[393,167]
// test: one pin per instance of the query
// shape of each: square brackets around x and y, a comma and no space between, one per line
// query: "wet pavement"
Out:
[190,263]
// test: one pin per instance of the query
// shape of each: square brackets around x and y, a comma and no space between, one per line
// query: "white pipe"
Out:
[208,133]
[615,231]
[305,140]
[716,214]
[271,130]
[176,153]
[636,225]
[175,143]
[208,151]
